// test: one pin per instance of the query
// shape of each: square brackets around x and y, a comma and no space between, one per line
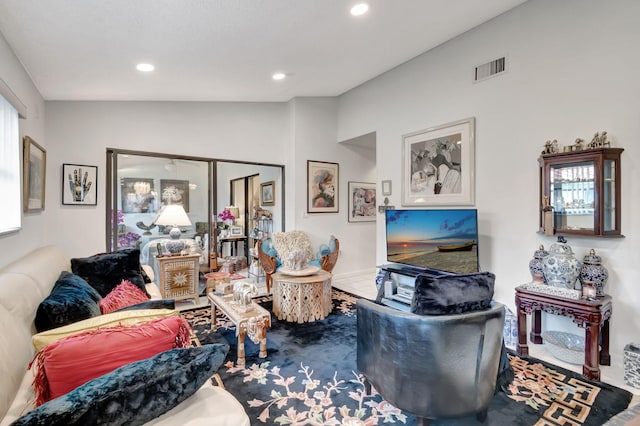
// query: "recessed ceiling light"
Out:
[145,67]
[359,9]
[278,76]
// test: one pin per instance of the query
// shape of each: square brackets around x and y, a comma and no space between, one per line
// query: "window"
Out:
[11,212]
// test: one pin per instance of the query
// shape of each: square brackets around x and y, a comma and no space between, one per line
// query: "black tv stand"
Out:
[398,284]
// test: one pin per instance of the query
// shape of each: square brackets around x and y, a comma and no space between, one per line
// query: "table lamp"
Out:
[173,215]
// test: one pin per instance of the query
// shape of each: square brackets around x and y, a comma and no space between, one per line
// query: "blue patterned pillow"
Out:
[133,394]
[72,299]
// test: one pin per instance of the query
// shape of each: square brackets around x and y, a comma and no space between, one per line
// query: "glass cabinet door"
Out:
[572,195]
[609,194]
[582,189]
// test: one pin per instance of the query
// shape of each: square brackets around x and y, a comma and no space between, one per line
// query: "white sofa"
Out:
[24,283]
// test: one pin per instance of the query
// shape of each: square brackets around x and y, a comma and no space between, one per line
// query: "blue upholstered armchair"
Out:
[272,259]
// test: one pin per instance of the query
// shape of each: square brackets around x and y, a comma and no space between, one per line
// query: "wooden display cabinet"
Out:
[582,189]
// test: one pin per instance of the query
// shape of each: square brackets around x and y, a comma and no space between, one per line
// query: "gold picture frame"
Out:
[268,193]
[34,175]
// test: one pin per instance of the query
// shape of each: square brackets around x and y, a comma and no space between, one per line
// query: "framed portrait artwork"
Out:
[322,187]
[267,193]
[173,191]
[362,202]
[138,195]
[438,165]
[34,175]
[79,185]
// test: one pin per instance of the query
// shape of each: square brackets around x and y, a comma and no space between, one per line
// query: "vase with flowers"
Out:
[125,238]
[225,221]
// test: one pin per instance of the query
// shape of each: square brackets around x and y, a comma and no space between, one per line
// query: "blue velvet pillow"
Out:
[151,304]
[452,294]
[133,394]
[105,271]
[72,299]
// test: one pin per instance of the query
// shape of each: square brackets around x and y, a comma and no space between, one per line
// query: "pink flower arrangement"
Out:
[226,218]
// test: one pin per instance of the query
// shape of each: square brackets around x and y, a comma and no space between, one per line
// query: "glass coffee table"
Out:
[251,320]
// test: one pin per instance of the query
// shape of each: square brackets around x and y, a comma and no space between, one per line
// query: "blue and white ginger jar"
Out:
[593,270]
[535,265]
[561,268]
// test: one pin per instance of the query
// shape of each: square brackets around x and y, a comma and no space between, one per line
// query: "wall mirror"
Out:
[141,184]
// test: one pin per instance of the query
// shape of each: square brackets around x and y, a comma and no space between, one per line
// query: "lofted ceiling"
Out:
[224,50]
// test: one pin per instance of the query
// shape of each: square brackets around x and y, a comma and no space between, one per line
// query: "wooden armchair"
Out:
[328,261]
[270,263]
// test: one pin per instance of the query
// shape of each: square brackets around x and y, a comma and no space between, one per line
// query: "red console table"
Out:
[593,316]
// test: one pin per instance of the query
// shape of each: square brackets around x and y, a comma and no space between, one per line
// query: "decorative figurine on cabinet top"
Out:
[599,141]
[550,147]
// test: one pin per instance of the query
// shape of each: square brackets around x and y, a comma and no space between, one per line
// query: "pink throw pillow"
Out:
[124,294]
[70,362]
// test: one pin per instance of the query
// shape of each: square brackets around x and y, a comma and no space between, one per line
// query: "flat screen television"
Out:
[440,240]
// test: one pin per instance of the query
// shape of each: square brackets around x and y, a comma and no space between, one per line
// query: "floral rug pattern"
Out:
[317,397]
[283,392]
[303,388]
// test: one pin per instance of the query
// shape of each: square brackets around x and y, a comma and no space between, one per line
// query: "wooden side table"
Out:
[179,277]
[252,320]
[593,316]
[302,299]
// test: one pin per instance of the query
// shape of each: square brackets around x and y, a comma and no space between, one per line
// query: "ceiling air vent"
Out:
[490,69]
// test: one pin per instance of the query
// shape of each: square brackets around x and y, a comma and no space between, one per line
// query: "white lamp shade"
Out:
[173,215]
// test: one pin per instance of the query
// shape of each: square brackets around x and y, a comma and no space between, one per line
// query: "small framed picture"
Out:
[322,187]
[35,166]
[235,231]
[362,202]
[267,193]
[175,191]
[79,185]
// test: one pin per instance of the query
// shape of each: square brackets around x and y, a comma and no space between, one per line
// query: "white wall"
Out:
[33,229]
[572,71]
[80,132]
[275,133]
[315,122]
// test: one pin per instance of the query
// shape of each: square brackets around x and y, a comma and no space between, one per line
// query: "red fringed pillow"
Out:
[124,294]
[68,363]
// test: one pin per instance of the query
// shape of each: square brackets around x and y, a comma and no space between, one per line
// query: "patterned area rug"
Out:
[309,378]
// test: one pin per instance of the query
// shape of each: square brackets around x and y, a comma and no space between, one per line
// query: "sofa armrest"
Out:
[154,291]
[149,271]
[209,405]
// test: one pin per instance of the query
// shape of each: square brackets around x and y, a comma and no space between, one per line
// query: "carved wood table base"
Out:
[302,299]
[593,316]
[251,320]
